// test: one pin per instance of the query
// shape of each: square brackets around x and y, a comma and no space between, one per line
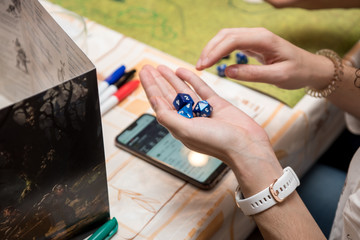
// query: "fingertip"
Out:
[164,69]
[183,73]
[161,66]
[232,71]
[200,67]
[198,64]
[147,67]
[180,69]
[143,72]
[205,62]
[146,72]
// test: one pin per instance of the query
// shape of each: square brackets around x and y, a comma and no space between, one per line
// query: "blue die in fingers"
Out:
[221,70]
[202,109]
[181,100]
[186,111]
[241,58]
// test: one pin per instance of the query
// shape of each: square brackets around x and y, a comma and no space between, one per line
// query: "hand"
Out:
[314,4]
[308,4]
[284,64]
[229,134]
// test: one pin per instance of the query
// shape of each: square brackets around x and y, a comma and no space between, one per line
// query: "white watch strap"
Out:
[268,197]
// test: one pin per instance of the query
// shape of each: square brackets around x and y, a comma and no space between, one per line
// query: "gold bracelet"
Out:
[338,72]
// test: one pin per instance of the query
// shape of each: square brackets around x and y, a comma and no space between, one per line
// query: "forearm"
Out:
[315,4]
[320,73]
[346,94]
[289,219]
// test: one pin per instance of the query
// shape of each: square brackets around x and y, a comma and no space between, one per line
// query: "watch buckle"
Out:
[275,193]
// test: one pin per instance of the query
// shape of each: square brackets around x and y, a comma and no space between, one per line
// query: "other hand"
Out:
[283,64]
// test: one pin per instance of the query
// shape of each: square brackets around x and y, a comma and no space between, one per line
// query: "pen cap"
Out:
[106,231]
[126,90]
[125,78]
[116,75]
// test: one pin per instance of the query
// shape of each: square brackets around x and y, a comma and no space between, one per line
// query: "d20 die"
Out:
[186,111]
[202,109]
[181,100]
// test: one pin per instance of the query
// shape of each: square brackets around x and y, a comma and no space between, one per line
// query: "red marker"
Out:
[120,95]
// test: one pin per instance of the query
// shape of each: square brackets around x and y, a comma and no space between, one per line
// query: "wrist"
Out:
[280,189]
[322,72]
[255,170]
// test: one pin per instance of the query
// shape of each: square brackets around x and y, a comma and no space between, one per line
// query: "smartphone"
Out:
[148,140]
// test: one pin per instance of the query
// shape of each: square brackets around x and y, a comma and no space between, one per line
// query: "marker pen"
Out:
[114,87]
[106,231]
[122,93]
[115,76]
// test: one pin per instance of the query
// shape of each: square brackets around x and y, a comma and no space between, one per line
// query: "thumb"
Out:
[254,73]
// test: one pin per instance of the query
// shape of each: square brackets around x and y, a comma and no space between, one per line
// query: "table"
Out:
[182,28]
[152,204]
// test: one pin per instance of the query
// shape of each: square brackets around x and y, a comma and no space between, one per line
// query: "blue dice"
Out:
[241,58]
[221,70]
[181,100]
[202,109]
[183,103]
[186,111]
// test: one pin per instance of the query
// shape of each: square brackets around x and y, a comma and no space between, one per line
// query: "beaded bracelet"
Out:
[338,72]
[357,77]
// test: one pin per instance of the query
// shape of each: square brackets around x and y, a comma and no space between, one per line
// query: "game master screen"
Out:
[52,164]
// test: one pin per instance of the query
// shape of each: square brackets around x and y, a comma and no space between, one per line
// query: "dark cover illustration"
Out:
[52,164]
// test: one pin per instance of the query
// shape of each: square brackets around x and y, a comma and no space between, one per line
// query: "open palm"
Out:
[224,133]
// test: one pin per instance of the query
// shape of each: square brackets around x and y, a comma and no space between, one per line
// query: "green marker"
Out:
[106,231]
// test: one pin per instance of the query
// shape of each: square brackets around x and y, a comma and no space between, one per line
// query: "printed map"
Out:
[182,28]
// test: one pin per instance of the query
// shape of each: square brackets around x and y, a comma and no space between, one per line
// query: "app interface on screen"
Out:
[150,138]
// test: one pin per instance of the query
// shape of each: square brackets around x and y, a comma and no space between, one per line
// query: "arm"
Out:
[347,94]
[284,64]
[236,139]
[314,4]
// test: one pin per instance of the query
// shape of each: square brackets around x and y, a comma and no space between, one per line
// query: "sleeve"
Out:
[352,216]
[352,123]
[347,219]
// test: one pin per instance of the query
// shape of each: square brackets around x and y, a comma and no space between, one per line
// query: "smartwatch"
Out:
[275,193]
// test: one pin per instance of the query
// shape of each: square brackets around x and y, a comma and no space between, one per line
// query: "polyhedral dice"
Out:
[241,58]
[202,109]
[181,100]
[221,70]
[186,111]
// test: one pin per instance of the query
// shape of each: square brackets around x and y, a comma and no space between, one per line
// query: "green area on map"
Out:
[182,28]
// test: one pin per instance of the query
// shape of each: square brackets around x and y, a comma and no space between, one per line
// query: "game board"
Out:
[182,28]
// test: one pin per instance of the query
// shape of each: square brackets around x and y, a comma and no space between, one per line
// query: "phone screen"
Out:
[147,138]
